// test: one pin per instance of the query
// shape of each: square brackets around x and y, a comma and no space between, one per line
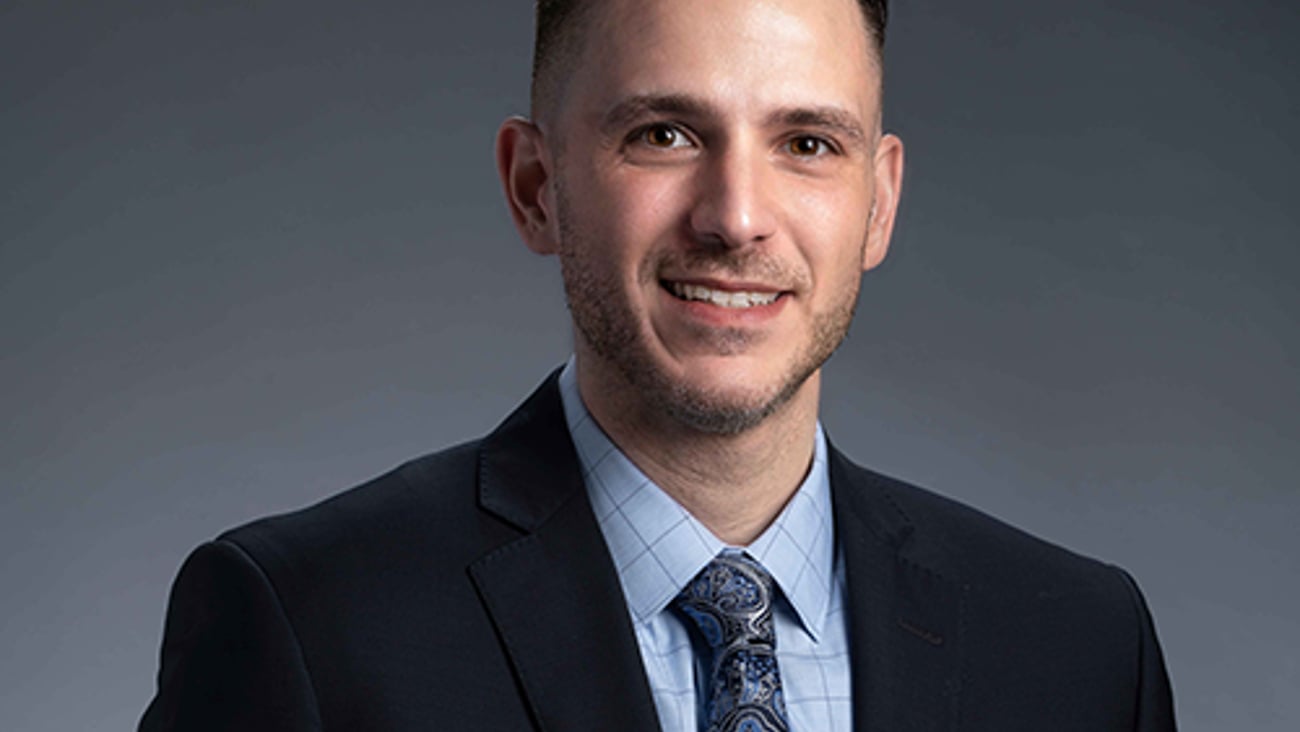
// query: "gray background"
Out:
[253,253]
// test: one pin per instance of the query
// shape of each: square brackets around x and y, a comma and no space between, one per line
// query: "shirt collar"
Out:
[658,546]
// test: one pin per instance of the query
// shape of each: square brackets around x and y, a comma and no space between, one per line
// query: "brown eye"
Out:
[806,147]
[661,136]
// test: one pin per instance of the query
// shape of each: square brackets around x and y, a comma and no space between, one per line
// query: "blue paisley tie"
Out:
[730,602]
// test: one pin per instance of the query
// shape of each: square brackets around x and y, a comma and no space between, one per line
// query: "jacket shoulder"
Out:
[429,502]
[1038,622]
[335,596]
[974,547]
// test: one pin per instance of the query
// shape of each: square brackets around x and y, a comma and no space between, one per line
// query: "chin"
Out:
[726,409]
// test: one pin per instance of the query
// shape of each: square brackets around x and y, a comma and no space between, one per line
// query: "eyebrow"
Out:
[832,119]
[641,105]
[826,117]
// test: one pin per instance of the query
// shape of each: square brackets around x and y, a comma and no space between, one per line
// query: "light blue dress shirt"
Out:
[657,547]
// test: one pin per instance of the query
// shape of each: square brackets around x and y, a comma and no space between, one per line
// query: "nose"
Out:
[733,205]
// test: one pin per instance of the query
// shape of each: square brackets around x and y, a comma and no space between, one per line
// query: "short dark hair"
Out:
[555,39]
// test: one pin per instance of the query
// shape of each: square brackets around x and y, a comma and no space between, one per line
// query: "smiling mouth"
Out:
[721,298]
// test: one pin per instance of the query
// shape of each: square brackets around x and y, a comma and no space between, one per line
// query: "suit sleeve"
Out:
[1155,703]
[230,659]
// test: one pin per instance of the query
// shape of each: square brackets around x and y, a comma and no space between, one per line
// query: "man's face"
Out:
[715,170]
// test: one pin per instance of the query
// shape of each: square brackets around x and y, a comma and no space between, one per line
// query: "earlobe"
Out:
[525,170]
[888,175]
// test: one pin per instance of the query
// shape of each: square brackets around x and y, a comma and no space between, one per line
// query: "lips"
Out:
[726,298]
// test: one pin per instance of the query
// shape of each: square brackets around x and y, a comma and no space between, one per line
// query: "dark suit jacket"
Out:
[472,590]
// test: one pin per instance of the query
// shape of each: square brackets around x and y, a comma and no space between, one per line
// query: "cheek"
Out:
[833,228]
[633,215]
[647,201]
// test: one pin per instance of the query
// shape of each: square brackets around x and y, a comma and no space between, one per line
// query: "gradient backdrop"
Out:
[254,253]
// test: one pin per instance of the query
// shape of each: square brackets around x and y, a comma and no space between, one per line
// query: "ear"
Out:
[888,174]
[524,164]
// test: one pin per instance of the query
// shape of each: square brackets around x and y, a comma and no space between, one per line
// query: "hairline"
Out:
[568,44]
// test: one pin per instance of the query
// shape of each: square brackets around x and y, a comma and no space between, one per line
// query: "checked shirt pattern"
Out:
[730,602]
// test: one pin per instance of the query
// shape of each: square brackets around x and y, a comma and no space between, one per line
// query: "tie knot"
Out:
[730,601]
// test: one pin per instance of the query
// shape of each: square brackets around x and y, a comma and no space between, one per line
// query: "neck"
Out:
[734,484]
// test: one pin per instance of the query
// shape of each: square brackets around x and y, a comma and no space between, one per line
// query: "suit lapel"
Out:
[905,615]
[555,599]
[553,593]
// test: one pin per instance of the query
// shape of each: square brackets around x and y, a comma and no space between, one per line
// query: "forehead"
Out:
[738,55]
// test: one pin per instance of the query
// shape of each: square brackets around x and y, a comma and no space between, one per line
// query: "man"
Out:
[661,536]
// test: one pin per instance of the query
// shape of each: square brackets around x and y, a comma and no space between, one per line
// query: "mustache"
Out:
[739,264]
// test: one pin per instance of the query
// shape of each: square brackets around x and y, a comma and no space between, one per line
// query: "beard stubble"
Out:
[605,320]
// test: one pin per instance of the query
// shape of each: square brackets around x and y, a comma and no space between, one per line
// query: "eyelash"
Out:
[826,147]
[641,135]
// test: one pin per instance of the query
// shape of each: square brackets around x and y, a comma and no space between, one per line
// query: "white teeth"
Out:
[723,298]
